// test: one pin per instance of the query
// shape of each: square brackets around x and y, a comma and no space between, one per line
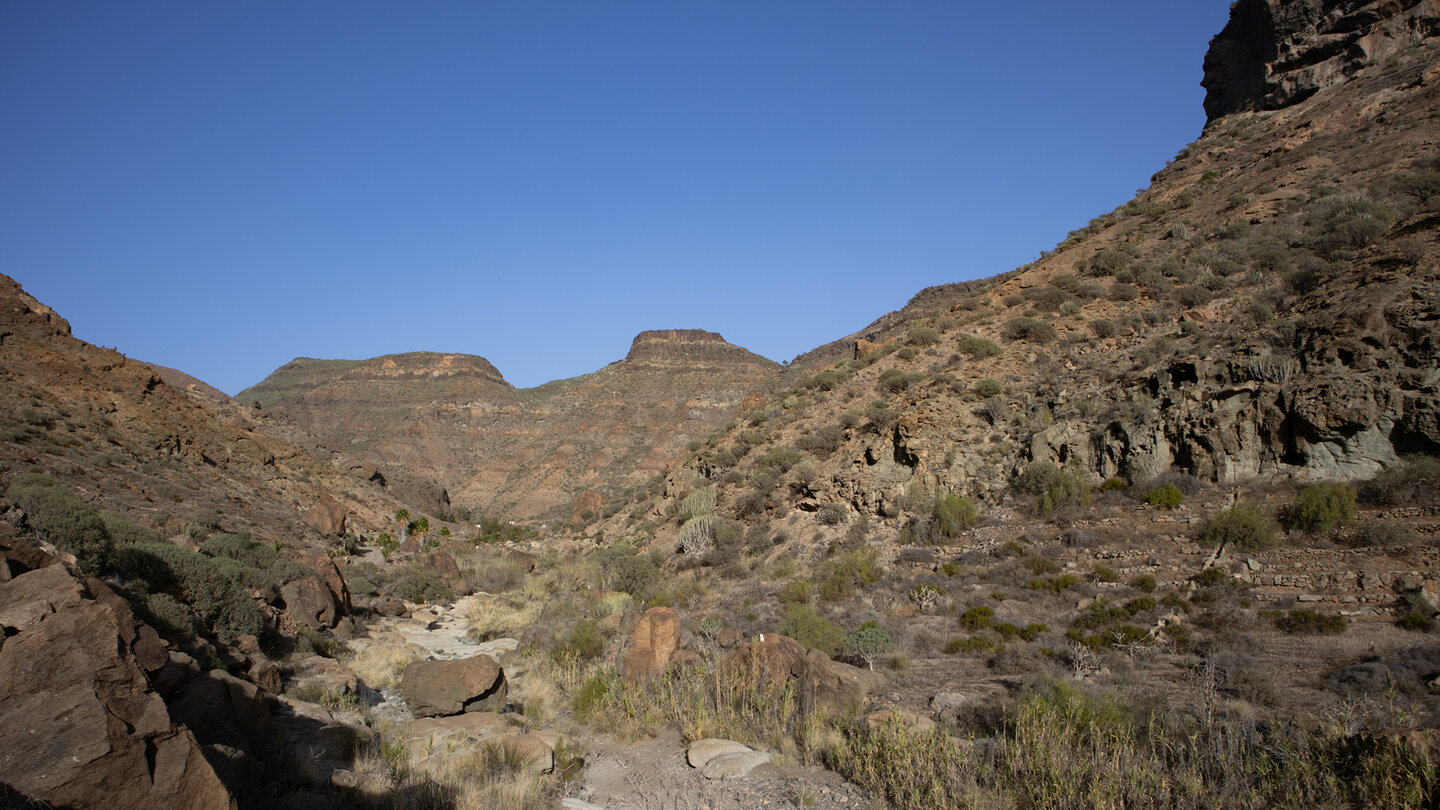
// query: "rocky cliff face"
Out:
[453,419]
[1274,53]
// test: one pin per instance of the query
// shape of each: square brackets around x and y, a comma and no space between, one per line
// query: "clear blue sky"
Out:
[223,186]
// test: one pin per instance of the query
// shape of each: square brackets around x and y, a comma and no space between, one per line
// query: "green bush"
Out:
[1055,489]
[954,514]
[810,629]
[978,617]
[1028,329]
[987,388]
[1144,582]
[417,584]
[1322,508]
[843,576]
[1309,622]
[894,380]
[822,441]
[1166,496]
[978,348]
[1103,328]
[584,640]
[1243,527]
[58,516]
[1415,480]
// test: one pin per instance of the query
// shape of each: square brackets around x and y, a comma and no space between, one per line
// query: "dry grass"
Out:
[381,667]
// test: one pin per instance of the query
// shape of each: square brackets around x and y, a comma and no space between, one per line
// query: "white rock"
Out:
[702,751]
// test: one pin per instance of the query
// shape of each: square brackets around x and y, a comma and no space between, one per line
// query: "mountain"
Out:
[114,430]
[1267,309]
[522,453]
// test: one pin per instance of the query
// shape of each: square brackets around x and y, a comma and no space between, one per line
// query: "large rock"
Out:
[79,726]
[309,602]
[1274,53]
[326,517]
[653,642]
[334,579]
[471,684]
[777,659]
[444,566]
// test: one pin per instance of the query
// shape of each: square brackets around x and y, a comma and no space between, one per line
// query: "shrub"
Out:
[978,348]
[953,514]
[1040,565]
[1028,329]
[1103,328]
[978,617]
[1243,526]
[823,441]
[987,388]
[1415,480]
[779,458]
[1309,622]
[825,380]
[923,335]
[809,628]
[697,536]
[894,380]
[843,576]
[833,514]
[58,516]
[1120,291]
[417,584]
[698,502]
[1144,582]
[1166,496]
[1322,508]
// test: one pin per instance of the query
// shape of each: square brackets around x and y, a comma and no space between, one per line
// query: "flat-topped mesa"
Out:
[1274,53]
[424,366]
[687,347]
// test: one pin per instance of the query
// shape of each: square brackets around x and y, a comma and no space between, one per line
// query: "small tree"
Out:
[1322,508]
[869,642]
[924,596]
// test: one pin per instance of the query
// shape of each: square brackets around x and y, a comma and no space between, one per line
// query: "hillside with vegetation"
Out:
[1153,521]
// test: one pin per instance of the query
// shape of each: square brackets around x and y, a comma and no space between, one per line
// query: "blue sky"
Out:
[223,186]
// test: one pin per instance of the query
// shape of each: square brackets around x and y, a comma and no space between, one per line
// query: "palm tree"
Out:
[403,518]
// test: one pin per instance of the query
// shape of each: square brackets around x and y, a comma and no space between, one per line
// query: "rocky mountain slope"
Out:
[522,452]
[1266,309]
[111,428]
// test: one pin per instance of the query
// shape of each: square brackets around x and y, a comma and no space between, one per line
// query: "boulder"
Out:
[444,566]
[734,765]
[832,685]
[334,579]
[702,751]
[308,602]
[526,751]
[326,517]
[945,707]
[653,642]
[327,673]
[79,724]
[472,684]
[469,727]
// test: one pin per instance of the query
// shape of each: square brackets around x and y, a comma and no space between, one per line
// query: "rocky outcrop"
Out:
[1274,53]
[326,517]
[309,602]
[653,642]
[79,724]
[777,659]
[437,688]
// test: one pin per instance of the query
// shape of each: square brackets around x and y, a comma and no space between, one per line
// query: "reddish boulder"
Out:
[326,517]
[334,579]
[443,566]
[309,602]
[653,642]
[777,659]
[79,725]
[435,688]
